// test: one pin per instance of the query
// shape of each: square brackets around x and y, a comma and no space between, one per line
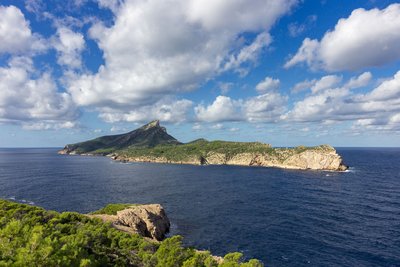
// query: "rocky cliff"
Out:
[146,220]
[322,157]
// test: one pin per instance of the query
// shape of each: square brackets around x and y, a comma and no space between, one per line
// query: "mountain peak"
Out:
[149,135]
[152,124]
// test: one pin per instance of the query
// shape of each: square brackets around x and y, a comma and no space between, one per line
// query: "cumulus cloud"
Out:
[326,82]
[366,38]
[359,81]
[150,54]
[331,81]
[387,90]
[217,126]
[268,84]
[15,34]
[304,85]
[26,98]
[378,107]
[166,110]
[69,46]
[222,109]
[263,108]
[248,53]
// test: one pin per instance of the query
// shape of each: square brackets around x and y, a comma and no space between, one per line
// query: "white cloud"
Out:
[236,15]
[166,110]
[263,108]
[33,100]
[268,84]
[378,107]
[150,53]
[110,4]
[359,81]
[49,125]
[366,38]
[197,126]
[222,109]
[69,45]
[326,82]
[217,126]
[248,53]
[304,85]
[387,90]
[15,34]
[331,81]
[306,53]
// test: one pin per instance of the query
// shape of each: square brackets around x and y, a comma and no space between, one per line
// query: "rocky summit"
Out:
[149,135]
[152,143]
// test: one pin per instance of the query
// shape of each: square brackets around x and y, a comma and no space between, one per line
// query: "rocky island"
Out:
[152,143]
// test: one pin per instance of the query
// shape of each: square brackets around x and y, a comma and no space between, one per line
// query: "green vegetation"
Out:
[32,236]
[197,149]
[111,209]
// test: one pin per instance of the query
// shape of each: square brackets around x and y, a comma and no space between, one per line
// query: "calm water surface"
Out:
[283,217]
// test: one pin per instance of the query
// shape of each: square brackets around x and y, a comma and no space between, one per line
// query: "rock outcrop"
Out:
[146,220]
[319,158]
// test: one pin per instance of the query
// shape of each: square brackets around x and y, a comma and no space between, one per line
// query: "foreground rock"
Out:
[146,220]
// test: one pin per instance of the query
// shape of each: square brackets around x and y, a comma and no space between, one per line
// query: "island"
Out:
[116,235]
[152,143]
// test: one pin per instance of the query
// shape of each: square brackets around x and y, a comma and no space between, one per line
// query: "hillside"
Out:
[32,236]
[149,135]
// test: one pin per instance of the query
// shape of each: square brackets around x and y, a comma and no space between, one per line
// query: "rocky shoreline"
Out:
[322,157]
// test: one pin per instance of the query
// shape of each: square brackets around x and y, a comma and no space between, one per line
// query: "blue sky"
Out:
[284,72]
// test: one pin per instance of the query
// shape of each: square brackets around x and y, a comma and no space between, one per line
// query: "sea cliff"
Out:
[322,157]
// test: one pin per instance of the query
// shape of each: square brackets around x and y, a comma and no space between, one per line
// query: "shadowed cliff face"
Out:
[149,135]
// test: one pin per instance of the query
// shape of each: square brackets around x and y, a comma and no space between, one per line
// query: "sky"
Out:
[284,72]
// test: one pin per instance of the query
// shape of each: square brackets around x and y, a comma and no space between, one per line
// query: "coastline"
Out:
[316,159]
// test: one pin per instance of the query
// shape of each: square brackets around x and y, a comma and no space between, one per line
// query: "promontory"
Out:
[152,143]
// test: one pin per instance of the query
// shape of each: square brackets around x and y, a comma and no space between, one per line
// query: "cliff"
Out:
[151,143]
[322,157]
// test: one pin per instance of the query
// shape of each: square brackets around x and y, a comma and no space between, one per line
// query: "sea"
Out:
[281,217]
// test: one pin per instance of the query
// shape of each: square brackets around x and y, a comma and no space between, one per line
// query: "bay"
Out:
[282,217]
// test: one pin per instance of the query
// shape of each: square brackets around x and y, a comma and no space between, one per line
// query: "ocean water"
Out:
[282,217]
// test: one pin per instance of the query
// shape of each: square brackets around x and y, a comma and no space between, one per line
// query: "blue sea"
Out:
[282,217]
